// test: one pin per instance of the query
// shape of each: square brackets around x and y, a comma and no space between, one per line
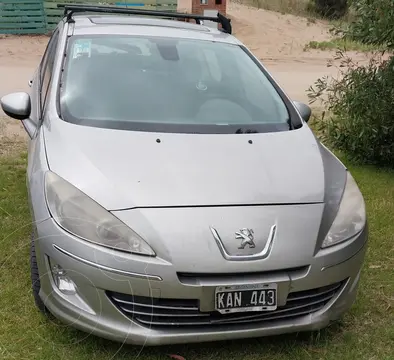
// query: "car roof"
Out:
[145,26]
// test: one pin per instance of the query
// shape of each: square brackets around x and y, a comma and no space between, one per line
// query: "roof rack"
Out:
[70,9]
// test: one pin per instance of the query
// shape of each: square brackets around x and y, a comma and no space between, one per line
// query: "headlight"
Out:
[83,217]
[351,217]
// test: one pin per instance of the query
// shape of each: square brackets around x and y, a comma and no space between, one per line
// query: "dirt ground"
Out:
[278,40]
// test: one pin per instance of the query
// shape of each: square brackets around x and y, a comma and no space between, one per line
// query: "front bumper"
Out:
[101,271]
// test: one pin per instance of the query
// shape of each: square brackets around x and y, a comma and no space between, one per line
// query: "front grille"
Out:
[157,312]
[201,278]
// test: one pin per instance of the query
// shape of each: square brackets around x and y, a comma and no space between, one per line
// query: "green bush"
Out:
[332,9]
[360,104]
[373,23]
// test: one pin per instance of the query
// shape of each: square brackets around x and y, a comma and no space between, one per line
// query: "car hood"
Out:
[127,169]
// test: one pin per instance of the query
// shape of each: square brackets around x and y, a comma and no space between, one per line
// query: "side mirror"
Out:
[17,105]
[304,110]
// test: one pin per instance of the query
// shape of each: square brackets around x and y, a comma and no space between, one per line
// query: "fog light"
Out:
[62,281]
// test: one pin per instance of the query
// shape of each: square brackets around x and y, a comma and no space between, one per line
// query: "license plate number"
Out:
[241,298]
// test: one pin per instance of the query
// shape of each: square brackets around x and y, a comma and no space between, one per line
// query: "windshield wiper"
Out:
[247,131]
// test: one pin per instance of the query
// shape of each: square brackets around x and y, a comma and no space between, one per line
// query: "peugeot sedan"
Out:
[177,193]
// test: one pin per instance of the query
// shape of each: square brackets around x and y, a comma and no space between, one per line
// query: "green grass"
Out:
[365,333]
[342,44]
[295,7]
[305,8]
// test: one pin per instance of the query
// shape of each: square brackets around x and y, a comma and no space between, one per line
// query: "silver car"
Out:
[177,193]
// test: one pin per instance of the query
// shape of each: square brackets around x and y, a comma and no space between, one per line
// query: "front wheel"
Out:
[35,279]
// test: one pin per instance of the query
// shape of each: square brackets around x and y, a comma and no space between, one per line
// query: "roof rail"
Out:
[70,9]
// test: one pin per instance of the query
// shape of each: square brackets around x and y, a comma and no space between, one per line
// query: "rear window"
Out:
[167,85]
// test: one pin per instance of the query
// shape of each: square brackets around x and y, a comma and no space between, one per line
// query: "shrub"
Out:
[360,105]
[373,23]
[332,9]
[361,101]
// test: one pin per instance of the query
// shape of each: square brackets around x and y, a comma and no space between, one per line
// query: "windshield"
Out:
[167,85]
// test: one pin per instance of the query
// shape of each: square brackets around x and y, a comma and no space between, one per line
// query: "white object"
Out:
[211,13]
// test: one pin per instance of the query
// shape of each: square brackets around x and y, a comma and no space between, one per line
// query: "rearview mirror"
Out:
[304,110]
[16,105]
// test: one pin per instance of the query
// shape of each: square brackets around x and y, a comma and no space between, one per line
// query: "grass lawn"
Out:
[344,45]
[365,333]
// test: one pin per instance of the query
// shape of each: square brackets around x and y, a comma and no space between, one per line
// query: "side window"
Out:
[47,67]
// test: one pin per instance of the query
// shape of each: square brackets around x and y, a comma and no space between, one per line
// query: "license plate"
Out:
[241,298]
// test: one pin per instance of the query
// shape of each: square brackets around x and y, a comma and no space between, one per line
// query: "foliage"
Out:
[332,9]
[373,23]
[344,44]
[361,101]
[360,104]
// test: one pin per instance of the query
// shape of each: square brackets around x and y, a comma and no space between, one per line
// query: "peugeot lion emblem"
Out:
[246,237]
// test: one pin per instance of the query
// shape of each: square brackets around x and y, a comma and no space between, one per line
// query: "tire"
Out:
[35,279]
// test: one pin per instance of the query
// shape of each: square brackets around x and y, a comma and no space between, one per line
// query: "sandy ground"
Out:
[278,40]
